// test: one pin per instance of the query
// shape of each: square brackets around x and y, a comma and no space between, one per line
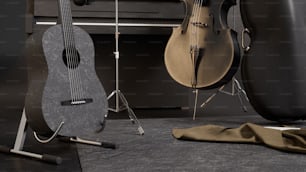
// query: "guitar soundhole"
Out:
[74,58]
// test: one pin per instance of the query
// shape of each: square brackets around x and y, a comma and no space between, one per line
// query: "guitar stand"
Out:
[237,90]
[21,136]
[117,93]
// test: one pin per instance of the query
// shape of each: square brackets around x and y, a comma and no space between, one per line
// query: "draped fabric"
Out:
[291,140]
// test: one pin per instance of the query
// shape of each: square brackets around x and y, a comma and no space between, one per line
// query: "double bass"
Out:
[273,67]
[203,52]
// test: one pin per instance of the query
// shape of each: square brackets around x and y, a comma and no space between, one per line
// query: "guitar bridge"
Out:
[76,102]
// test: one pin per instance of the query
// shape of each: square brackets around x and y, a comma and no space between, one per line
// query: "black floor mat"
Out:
[157,150]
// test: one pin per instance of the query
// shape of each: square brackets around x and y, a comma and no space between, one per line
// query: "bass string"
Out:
[198,19]
[234,18]
[191,24]
[76,71]
[193,36]
[193,30]
[64,28]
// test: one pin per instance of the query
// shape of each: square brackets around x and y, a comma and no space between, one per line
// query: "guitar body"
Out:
[218,54]
[49,94]
[273,70]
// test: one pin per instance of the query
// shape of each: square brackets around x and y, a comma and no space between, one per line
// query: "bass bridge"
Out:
[199,24]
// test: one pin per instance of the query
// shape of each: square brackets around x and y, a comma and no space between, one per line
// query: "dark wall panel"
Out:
[142,74]
[12,64]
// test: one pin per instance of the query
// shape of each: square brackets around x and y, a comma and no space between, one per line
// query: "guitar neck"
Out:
[65,17]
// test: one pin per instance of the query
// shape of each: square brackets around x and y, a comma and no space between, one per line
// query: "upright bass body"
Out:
[63,85]
[273,69]
[203,52]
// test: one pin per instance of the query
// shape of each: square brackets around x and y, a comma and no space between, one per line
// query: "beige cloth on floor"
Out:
[288,140]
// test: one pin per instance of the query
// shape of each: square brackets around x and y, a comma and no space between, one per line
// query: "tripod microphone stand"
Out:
[117,93]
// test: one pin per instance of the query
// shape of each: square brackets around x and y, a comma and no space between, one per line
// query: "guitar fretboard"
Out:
[66,19]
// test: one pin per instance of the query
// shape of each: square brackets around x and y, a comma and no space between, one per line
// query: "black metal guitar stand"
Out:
[117,93]
[21,136]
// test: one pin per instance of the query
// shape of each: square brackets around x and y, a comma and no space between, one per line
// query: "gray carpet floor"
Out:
[158,151]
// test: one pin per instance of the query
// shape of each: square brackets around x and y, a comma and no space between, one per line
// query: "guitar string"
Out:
[76,71]
[66,47]
[77,63]
[70,50]
[74,56]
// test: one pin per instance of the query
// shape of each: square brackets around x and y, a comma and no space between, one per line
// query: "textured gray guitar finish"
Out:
[79,120]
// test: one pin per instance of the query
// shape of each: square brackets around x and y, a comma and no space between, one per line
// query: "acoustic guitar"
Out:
[203,52]
[63,84]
